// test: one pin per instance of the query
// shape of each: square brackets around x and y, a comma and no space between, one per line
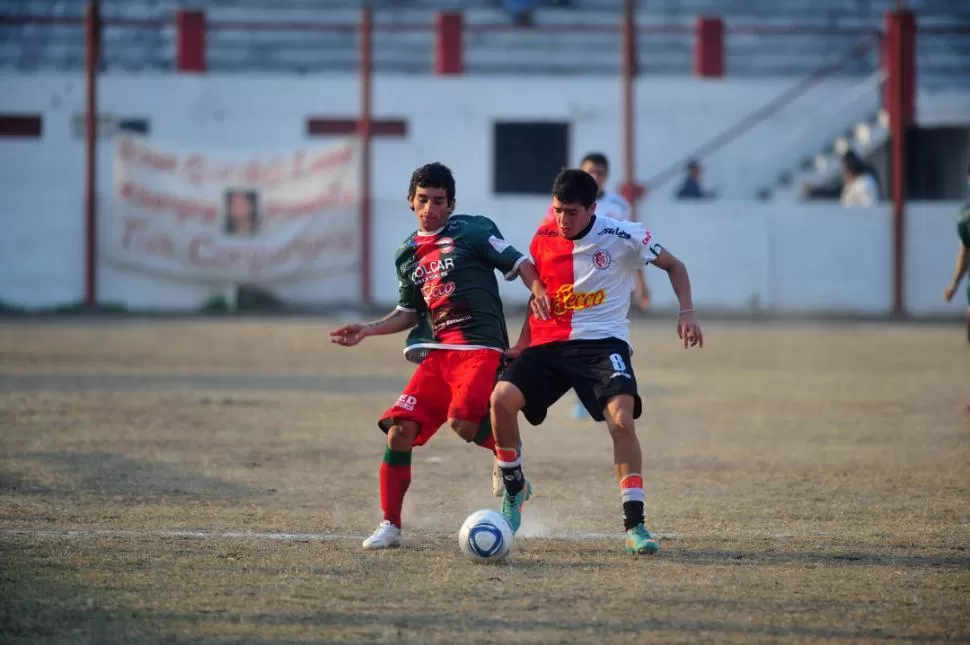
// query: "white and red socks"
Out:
[510,462]
[631,489]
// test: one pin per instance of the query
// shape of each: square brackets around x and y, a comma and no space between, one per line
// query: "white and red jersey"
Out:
[589,279]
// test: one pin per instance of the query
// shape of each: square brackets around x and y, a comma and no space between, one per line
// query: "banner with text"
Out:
[246,217]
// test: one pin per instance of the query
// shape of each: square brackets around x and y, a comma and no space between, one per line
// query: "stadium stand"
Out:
[942,59]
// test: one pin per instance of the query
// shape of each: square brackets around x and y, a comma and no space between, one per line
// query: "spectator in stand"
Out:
[858,186]
[691,188]
[522,11]
[836,189]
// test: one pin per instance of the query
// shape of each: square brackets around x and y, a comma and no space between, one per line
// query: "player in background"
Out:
[963,258]
[610,204]
[446,271]
[587,264]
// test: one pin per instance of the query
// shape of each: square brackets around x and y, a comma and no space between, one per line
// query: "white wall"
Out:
[448,120]
[744,256]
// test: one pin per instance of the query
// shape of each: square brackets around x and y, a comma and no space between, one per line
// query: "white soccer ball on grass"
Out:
[485,536]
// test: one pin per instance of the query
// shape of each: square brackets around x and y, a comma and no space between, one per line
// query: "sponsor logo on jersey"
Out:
[435,291]
[445,245]
[498,244]
[602,260]
[406,402]
[431,270]
[646,238]
[619,232]
[567,298]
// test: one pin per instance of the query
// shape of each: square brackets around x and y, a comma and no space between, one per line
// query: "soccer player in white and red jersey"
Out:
[587,264]
[611,204]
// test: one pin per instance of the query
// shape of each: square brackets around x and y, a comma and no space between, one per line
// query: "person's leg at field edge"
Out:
[628,463]
[507,401]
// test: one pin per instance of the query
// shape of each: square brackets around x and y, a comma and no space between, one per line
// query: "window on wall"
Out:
[527,156]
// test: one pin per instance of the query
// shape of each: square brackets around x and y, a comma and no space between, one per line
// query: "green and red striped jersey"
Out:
[448,278]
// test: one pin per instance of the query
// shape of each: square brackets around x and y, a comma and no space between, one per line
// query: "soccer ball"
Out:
[485,535]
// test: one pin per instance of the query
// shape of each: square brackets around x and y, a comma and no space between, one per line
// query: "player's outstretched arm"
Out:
[959,271]
[539,302]
[394,322]
[687,328]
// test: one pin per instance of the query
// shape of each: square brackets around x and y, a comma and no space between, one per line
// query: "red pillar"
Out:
[92,57]
[630,71]
[190,40]
[709,47]
[449,59]
[900,102]
[364,125]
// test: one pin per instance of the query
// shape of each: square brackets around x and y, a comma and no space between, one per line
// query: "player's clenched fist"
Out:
[539,303]
[348,335]
[689,331]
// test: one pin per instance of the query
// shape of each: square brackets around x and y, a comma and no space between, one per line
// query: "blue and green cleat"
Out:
[512,506]
[640,542]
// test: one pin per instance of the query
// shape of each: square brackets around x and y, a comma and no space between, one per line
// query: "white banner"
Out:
[237,216]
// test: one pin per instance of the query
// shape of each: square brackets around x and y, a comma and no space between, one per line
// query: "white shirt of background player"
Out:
[613,205]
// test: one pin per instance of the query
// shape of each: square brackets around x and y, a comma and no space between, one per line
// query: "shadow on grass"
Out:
[111,474]
[554,630]
[831,558]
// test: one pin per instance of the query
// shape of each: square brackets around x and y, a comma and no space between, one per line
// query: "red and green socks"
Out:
[395,479]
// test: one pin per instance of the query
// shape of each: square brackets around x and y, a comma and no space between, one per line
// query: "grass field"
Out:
[210,482]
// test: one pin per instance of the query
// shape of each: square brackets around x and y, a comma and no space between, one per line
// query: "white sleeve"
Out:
[642,242]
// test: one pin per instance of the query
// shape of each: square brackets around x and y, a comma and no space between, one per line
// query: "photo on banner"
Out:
[263,220]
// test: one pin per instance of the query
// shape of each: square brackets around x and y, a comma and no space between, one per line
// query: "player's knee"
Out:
[400,437]
[620,422]
[506,398]
[465,429]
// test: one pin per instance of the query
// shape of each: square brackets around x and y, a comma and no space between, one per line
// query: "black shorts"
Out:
[597,370]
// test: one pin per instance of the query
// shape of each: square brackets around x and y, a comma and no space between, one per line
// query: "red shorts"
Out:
[448,384]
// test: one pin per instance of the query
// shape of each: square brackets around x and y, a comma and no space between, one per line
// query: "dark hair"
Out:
[573,185]
[597,158]
[433,175]
[852,163]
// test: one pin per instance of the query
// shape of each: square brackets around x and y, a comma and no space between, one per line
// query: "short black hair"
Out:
[597,158]
[574,185]
[852,163]
[433,175]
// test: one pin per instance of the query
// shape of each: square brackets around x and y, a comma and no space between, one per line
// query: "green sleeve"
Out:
[408,294]
[497,252]
[963,225]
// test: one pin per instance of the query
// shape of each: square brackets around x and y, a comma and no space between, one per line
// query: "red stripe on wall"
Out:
[28,126]
[379,127]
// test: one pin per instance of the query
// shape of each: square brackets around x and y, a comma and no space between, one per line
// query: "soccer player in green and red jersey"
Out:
[446,270]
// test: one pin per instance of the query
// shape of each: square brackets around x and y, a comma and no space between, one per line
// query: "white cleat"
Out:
[387,536]
[498,486]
